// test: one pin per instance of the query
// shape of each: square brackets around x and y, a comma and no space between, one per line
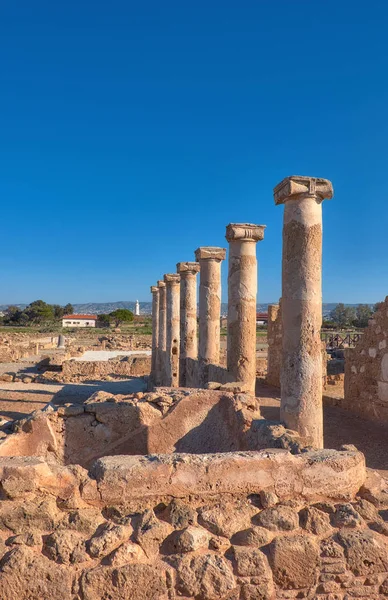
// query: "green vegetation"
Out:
[35,314]
[344,317]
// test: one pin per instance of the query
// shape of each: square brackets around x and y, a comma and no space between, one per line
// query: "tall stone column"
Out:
[188,322]
[209,258]
[301,374]
[162,334]
[242,297]
[172,281]
[155,333]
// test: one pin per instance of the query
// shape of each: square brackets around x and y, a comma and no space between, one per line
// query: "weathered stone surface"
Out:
[242,292]
[254,536]
[127,553]
[294,561]
[31,516]
[301,390]
[366,370]
[150,532]
[279,518]
[25,575]
[221,519]
[179,514]
[134,581]
[311,475]
[315,521]
[346,516]
[366,552]
[107,539]
[205,577]
[187,540]
[65,547]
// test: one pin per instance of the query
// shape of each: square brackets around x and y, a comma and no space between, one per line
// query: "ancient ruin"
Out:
[301,377]
[181,488]
[366,370]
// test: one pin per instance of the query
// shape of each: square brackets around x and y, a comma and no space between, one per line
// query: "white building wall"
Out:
[78,323]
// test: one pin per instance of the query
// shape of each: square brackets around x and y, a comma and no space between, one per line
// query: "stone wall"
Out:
[130,366]
[366,370]
[237,526]
[164,421]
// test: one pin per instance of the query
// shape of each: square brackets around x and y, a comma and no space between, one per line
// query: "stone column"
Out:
[172,281]
[242,297]
[188,322]
[155,333]
[301,374]
[209,258]
[162,334]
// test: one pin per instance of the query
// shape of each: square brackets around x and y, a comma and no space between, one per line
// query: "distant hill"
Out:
[99,308]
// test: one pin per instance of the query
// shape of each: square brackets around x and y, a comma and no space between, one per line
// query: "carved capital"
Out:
[245,232]
[161,284]
[154,289]
[187,268]
[172,278]
[210,253]
[297,187]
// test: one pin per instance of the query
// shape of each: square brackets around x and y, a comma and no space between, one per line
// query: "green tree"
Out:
[121,315]
[68,309]
[104,320]
[343,316]
[363,314]
[58,311]
[39,311]
[13,315]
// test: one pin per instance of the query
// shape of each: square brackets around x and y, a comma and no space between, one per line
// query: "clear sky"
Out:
[133,132]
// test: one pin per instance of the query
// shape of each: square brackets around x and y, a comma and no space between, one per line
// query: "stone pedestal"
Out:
[301,376]
[209,258]
[162,334]
[155,333]
[188,322]
[242,296]
[172,281]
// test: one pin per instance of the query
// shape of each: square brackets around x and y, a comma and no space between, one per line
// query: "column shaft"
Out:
[301,374]
[172,281]
[155,333]
[209,259]
[242,297]
[188,322]
[162,334]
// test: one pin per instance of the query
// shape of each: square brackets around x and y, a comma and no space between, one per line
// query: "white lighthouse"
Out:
[137,308]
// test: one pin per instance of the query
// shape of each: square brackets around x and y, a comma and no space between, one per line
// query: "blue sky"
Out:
[133,132]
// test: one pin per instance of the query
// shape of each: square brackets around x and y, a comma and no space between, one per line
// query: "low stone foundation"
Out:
[129,366]
[235,526]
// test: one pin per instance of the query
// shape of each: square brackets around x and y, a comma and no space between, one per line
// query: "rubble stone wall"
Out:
[236,526]
[131,366]
[366,370]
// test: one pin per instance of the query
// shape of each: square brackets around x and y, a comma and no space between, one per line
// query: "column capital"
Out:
[172,278]
[154,289]
[247,232]
[297,187]
[210,253]
[187,268]
[161,284]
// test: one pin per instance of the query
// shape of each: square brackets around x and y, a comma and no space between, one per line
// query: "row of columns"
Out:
[175,340]
[301,376]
